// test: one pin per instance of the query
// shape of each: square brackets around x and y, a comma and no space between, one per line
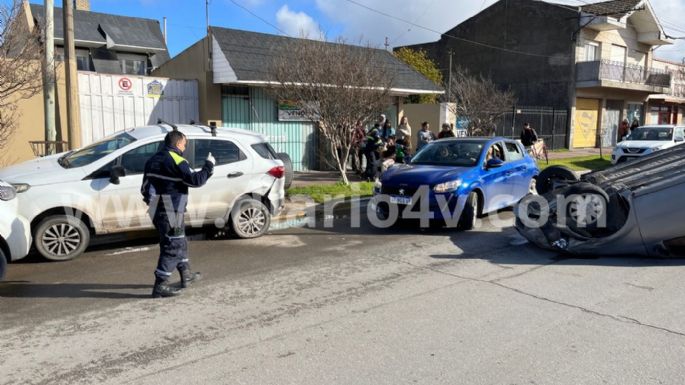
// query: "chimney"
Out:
[82,5]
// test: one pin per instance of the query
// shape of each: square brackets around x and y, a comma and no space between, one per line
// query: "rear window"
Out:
[265,150]
[224,151]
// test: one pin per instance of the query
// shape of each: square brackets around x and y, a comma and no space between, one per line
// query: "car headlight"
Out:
[21,187]
[657,148]
[447,186]
[7,193]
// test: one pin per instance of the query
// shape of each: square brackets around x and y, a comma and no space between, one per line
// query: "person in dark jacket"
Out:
[446,132]
[165,190]
[528,136]
[372,150]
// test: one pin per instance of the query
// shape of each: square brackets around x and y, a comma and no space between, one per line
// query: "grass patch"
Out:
[319,192]
[593,163]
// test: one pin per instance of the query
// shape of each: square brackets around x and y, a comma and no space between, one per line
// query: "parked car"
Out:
[15,231]
[462,177]
[646,140]
[96,189]
[632,208]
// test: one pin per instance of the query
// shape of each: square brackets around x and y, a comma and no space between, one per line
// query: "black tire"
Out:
[3,264]
[288,164]
[469,215]
[250,218]
[596,210]
[553,176]
[61,237]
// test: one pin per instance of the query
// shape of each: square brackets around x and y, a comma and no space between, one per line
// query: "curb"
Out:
[340,207]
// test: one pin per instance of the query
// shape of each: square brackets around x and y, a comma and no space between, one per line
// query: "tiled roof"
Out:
[251,55]
[613,8]
[94,27]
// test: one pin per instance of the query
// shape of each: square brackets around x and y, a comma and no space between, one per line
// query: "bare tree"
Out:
[480,101]
[20,53]
[335,85]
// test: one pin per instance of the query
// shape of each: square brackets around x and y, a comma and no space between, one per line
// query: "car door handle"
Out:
[234,174]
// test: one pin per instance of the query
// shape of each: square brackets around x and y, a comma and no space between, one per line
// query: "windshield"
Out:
[652,133]
[95,151]
[450,153]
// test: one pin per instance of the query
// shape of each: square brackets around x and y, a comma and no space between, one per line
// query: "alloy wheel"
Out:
[61,239]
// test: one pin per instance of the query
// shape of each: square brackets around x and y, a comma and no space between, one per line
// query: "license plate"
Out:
[400,200]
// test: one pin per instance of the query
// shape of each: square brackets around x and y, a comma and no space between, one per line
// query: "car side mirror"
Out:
[493,163]
[116,173]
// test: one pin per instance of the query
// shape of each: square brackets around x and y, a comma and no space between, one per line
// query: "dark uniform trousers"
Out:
[173,245]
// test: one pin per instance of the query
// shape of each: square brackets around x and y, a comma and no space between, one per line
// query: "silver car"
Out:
[632,208]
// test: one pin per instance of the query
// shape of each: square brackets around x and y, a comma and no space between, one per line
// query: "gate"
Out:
[550,123]
[111,103]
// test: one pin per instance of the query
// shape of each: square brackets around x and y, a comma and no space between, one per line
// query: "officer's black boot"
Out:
[162,290]
[188,277]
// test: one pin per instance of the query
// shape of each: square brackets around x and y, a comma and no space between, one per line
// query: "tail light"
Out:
[277,172]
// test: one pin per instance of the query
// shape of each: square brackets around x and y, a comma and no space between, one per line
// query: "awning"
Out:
[667,98]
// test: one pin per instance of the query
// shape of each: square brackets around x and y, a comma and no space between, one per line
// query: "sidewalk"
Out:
[310,178]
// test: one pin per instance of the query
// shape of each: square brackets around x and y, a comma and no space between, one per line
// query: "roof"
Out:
[613,8]
[122,33]
[251,54]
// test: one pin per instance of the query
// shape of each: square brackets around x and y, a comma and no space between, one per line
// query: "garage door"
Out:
[586,120]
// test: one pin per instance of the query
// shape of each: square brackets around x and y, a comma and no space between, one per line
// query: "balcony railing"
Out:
[623,73]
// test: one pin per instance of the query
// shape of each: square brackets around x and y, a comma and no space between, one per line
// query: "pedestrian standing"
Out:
[623,130]
[357,150]
[371,150]
[528,136]
[446,132]
[387,131]
[165,190]
[404,134]
[424,136]
[634,125]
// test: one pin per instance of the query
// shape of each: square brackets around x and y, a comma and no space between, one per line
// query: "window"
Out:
[591,51]
[513,152]
[95,151]
[134,161]
[224,151]
[133,64]
[83,60]
[265,150]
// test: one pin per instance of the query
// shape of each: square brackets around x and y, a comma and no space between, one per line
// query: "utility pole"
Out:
[207,15]
[73,113]
[449,77]
[165,39]
[387,43]
[49,77]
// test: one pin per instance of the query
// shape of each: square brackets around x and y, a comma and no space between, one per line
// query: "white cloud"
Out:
[298,24]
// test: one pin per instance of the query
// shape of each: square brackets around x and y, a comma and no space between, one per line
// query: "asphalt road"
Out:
[364,306]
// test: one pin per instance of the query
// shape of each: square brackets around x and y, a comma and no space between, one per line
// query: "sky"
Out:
[341,18]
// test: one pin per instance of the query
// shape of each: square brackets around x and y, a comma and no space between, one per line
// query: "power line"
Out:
[258,17]
[447,35]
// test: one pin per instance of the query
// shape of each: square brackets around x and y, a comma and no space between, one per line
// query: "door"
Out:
[232,174]
[610,122]
[518,175]
[618,59]
[586,119]
[122,207]
[497,193]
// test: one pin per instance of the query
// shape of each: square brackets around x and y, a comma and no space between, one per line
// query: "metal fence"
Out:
[550,123]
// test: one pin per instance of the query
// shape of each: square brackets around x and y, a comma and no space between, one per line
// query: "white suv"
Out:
[96,189]
[15,232]
[646,140]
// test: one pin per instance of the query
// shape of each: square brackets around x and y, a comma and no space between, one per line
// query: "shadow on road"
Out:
[471,243]
[22,289]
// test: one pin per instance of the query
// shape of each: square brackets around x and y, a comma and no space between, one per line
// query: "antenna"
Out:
[173,126]
[212,127]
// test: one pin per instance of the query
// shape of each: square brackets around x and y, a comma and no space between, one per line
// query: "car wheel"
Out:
[250,218]
[288,164]
[3,264]
[586,208]
[554,177]
[469,215]
[61,237]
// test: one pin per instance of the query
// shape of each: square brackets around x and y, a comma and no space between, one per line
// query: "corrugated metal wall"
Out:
[111,103]
[257,112]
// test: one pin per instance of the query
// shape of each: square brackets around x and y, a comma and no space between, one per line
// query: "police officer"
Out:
[165,189]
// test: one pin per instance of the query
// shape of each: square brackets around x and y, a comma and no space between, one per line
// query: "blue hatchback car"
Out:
[456,180]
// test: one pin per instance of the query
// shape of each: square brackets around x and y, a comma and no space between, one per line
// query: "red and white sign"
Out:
[125,84]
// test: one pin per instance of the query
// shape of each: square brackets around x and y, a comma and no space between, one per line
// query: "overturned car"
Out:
[632,208]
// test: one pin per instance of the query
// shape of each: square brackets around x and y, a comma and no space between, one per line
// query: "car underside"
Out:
[632,208]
